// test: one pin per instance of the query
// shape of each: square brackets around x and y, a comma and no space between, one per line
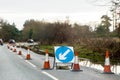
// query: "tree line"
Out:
[57,32]
[8,31]
[97,40]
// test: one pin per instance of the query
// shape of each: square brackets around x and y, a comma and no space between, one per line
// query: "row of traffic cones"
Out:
[13,48]
[76,66]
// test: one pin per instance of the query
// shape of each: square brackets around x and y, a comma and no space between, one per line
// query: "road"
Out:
[16,67]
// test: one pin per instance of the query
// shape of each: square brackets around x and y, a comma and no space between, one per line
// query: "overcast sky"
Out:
[80,11]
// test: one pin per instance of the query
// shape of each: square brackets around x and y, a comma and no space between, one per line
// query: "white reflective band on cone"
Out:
[76,60]
[107,61]
[28,51]
[46,59]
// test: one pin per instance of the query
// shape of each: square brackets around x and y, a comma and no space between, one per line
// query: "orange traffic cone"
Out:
[76,66]
[14,50]
[46,63]
[19,52]
[107,64]
[28,54]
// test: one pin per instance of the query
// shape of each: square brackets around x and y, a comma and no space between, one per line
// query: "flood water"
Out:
[114,68]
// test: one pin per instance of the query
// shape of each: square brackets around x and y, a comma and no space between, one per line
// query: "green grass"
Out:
[94,57]
[49,47]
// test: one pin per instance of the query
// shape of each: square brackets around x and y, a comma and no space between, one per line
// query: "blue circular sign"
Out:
[64,54]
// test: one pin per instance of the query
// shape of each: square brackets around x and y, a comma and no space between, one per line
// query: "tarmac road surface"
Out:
[16,67]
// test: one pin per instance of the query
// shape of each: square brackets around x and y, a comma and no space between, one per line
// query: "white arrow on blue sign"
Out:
[64,54]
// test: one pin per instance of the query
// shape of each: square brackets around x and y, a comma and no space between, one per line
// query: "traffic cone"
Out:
[76,66]
[28,54]
[20,52]
[107,64]
[14,49]
[46,63]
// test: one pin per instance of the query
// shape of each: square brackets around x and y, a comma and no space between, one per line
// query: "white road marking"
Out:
[30,63]
[20,57]
[54,78]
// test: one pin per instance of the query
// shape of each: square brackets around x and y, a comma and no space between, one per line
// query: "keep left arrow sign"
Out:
[62,56]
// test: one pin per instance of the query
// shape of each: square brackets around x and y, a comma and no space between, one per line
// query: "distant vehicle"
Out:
[30,41]
[12,42]
[1,42]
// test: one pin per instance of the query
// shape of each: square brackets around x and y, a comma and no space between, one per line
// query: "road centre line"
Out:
[54,78]
[30,63]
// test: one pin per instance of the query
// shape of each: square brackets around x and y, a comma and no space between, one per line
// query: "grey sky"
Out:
[45,6]
[19,10]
